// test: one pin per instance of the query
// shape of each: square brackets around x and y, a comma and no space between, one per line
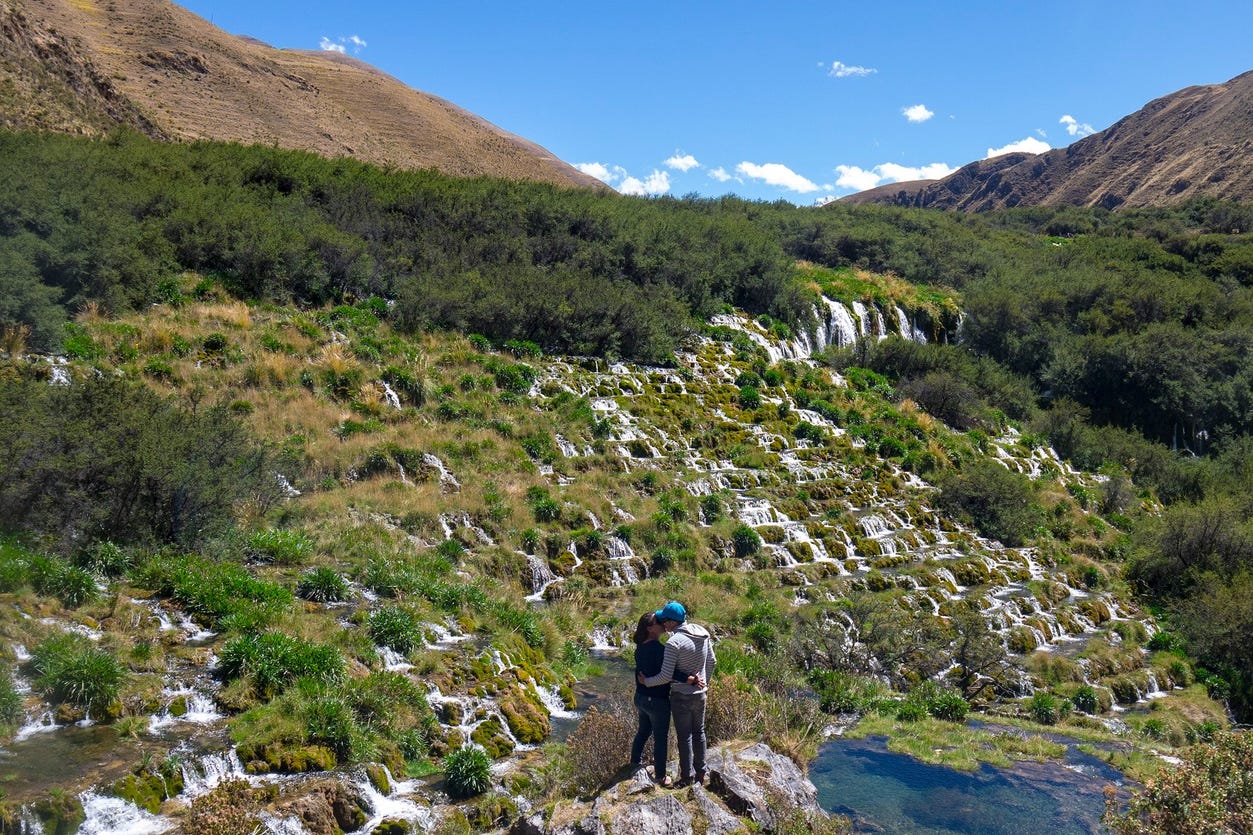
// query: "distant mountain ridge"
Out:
[1194,142]
[86,66]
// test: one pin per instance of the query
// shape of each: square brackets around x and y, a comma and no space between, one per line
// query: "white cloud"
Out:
[917,113]
[1076,128]
[683,163]
[720,174]
[776,174]
[841,70]
[598,170]
[341,44]
[893,173]
[657,182]
[858,179]
[1030,145]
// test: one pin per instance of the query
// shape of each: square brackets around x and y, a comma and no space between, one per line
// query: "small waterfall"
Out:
[286,486]
[203,774]
[447,480]
[43,723]
[553,704]
[29,823]
[393,660]
[568,449]
[393,399]
[107,815]
[395,805]
[60,375]
[541,577]
[198,709]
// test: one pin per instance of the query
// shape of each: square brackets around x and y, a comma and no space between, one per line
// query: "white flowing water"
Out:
[106,815]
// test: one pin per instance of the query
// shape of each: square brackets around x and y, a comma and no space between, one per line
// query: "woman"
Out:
[653,703]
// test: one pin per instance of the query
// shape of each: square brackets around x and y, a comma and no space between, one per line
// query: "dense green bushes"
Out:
[107,459]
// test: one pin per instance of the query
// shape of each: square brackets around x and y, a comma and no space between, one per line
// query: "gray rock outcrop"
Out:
[749,788]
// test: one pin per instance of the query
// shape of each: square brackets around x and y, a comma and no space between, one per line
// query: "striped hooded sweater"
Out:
[690,647]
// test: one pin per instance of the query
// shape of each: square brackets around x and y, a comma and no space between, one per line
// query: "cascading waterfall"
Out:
[106,815]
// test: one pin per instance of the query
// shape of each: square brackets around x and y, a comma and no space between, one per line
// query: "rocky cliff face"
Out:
[1195,142]
[86,67]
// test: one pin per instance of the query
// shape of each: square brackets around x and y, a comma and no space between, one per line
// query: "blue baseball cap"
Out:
[672,611]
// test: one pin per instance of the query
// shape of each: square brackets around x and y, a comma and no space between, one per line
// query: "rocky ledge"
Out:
[750,789]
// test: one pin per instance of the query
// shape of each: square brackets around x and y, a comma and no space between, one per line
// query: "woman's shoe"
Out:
[665,782]
[683,784]
[700,777]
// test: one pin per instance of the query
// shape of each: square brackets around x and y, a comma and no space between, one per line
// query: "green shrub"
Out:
[746,541]
[282,547]
[1043,708]
[11,707]
[949,706]
[69,668]
[467,772]
[272,661]
[1085,699]
[224,594]
[396,628]
[323,585]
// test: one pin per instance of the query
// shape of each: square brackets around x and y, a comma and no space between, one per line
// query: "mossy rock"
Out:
[1022,640]
[971,572]
[280,759]
[878,582]
[491,736]
[391,826]
[491,812]
[178,707]
[147,790]
[377,775]
[868,547]
[526,716]
[566,692]
[61,814]
[1095,609]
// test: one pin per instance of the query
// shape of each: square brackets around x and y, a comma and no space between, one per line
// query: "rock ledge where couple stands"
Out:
[747,786]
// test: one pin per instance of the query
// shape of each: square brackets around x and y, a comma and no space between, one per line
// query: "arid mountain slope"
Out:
[1198,141]
[84,66]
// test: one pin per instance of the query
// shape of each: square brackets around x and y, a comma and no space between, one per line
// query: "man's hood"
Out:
[694,631]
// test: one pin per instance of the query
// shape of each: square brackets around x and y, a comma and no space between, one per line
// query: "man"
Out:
[690,648]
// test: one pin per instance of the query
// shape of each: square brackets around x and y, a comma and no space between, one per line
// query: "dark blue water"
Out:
[886,792]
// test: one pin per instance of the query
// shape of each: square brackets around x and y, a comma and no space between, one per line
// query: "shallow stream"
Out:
[886,792]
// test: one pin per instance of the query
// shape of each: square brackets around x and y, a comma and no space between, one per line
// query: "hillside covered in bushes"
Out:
[367,441]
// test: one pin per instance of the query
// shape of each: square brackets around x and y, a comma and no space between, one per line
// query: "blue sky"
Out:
[801,101]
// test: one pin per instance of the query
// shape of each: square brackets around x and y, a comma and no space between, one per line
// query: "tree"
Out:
[1209,792]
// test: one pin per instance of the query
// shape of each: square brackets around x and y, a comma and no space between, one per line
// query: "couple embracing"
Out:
[670,683]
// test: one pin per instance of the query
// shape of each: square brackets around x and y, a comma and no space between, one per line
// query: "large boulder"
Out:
[327,807]
[756,783]
[750,788]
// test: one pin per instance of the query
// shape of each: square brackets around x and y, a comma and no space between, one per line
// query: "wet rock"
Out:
[327,807]
[377,775]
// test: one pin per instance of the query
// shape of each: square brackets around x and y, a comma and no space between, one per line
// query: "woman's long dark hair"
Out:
[641,629]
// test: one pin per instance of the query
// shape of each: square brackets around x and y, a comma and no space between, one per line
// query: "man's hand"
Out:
[639,677]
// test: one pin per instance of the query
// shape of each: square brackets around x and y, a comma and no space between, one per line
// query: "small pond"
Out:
[886,792]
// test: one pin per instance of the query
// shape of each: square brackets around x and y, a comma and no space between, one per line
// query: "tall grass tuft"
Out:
[69,668]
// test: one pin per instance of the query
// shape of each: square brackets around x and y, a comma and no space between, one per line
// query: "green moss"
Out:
[491,736]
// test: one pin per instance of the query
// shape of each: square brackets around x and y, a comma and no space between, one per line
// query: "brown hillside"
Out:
[84,66]
[1196,142]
